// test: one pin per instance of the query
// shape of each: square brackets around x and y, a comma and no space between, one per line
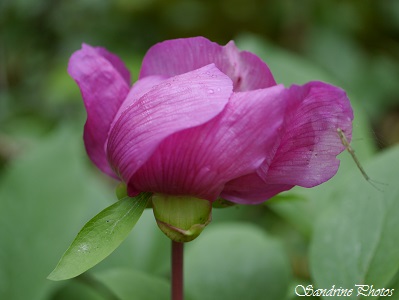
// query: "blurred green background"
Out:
[49,188]
[354,41]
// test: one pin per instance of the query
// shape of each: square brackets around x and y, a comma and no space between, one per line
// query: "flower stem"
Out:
[177,271]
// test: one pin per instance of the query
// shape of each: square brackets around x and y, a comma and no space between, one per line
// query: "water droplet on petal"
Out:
[210,91]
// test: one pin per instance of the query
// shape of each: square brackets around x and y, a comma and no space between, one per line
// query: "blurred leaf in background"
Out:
[356,239]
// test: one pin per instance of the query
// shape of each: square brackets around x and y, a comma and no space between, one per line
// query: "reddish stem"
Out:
[177,271]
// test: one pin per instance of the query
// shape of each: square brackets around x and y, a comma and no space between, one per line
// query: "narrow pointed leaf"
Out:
[100,237]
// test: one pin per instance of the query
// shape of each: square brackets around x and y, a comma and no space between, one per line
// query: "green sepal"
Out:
[121,190]
[181,218]
[222,203]
[100,237]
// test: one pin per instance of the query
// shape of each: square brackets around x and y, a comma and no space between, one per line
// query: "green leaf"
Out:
[151,256]
[356,241]
[394,284]
[129,284]
[100,237]
[44,194]
[236,261]
[78,290]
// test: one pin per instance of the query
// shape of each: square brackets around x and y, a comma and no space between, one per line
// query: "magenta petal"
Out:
[102,80]
[115,61]
[174,57]
[309,146]
[307,153]
[251,189]
[137,91]
[177,103]
[199,161]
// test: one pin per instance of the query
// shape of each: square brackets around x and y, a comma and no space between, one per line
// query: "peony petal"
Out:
[199,161]
[102,80]
[177,103]
[310,144]
[251,189]
[116,62]
[138,90]
[307,154]
[174,57]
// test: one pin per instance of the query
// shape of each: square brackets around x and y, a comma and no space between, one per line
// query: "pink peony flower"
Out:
[207,121]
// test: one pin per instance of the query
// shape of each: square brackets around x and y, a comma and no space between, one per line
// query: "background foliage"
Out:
[341,233]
